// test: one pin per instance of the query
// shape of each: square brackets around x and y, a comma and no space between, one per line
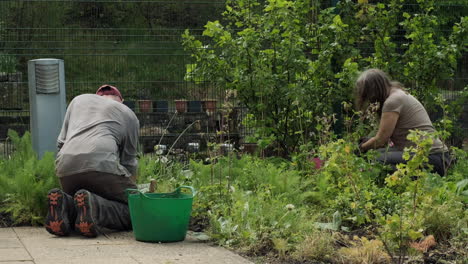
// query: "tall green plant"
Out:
[25,181]
[282,63]
[405,225]
[425,54]
[380,25]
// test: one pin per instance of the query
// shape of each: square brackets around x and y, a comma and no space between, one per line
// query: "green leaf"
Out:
[414,234]
[239,24]
[337,20]
[461,186]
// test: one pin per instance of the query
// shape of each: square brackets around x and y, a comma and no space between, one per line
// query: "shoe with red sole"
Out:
[85,222]
[57,222]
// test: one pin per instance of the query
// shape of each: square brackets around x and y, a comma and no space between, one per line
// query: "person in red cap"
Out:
[96,161]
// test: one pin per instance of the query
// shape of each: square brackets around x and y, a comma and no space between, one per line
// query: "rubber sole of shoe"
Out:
[85,223]
[57,222]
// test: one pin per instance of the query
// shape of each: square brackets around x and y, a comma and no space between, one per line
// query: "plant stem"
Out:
[415,193]
[400,242]
[181,134]
[387,248]
[168,124]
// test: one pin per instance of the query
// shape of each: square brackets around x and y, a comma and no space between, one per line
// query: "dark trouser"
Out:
[439,161]
[108,191]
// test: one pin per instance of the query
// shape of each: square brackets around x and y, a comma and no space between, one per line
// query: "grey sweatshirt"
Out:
[98,134]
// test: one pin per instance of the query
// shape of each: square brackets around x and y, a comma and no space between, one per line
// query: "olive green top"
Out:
[412,116]
[98,134]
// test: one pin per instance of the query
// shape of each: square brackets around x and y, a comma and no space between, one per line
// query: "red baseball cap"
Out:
[109,90]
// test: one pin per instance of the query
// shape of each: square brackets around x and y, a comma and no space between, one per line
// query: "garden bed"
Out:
[280,211]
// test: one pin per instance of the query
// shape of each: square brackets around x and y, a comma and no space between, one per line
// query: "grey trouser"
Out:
[108,191]
[392,157]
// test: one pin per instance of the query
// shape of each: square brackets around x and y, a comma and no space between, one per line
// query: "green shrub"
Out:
[25,181]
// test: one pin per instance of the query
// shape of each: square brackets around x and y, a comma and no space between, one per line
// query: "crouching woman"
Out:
[399,113]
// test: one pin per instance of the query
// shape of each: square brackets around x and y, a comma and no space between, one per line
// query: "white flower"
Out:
[162,159]
[290,207]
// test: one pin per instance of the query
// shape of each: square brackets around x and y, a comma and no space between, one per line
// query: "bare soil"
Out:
[5,220]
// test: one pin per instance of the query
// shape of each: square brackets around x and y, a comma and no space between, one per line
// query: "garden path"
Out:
[29,245]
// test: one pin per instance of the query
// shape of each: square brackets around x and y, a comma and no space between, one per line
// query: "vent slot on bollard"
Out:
[47,79]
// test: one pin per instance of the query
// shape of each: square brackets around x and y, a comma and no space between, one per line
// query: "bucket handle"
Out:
[135,191]
[131,191]
[187,187]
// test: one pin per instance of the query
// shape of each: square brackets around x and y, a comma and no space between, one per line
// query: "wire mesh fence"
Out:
[136,46]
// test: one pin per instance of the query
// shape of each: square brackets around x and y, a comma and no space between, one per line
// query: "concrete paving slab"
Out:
[7,233]
[14,254]
[71,241]
[128,238]
[37,237]
[70,252]
[184,250]
[36,245]
[213,257]
[17,262]
[10,243]
[189,251]
[28,231]
[87,260]
[31,231]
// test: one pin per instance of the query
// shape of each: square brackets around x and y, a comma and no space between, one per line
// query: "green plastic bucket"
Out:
[160,217]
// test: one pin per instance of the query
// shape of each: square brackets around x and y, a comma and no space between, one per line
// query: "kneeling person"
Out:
[96,162]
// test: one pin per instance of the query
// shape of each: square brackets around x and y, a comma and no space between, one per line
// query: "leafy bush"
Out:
[264,51]
[290,62]
[25,181]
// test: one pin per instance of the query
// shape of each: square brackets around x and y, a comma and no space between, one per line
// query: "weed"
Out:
[317,246]
[363,250]
[444,215]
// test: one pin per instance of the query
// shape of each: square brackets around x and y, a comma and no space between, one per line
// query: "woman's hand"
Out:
[386,127]
[362,141]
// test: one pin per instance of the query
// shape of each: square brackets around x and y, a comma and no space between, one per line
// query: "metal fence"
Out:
[143,58]
[132,44]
